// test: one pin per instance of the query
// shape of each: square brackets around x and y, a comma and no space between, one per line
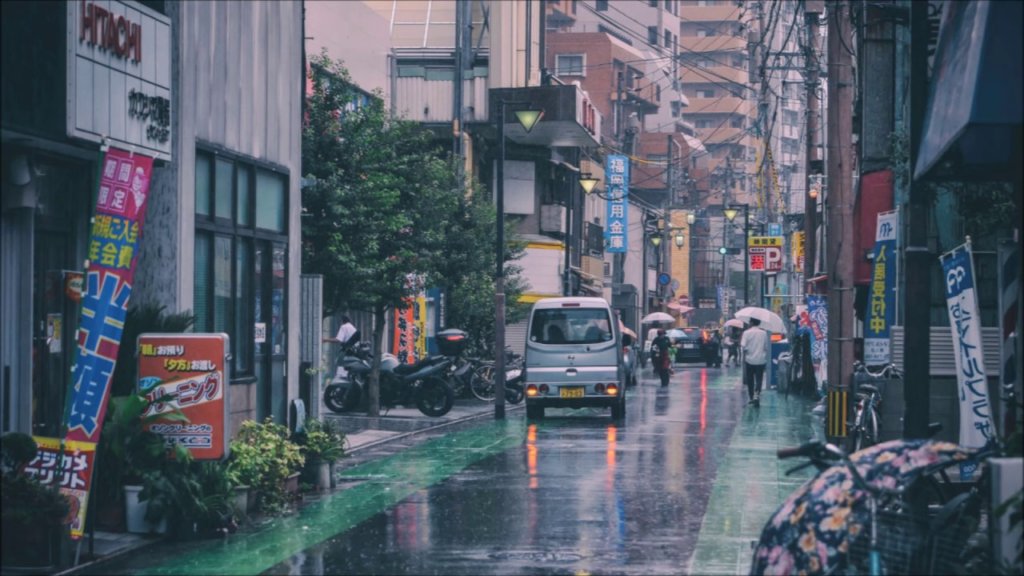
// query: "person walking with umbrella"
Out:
[662,362]
[754,344]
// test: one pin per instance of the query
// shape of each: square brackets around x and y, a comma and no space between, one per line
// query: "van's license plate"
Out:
[573,392]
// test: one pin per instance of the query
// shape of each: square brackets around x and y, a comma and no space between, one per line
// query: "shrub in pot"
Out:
[323,444]
[127,451]
[33,515]
[194,498]
[263,457]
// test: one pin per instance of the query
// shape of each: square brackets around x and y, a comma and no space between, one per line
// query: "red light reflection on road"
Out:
[703,400]
[531,455]
[609,458]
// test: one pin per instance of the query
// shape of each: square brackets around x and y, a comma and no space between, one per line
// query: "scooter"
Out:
[422,383]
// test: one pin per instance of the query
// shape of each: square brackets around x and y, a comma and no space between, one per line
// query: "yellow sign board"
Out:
[755,241]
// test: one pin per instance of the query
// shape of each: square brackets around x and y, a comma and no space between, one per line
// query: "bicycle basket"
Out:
[906,547]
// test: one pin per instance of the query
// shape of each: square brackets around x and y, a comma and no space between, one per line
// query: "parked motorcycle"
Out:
[422,383]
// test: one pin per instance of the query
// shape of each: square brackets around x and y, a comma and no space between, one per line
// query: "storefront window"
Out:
[249,205]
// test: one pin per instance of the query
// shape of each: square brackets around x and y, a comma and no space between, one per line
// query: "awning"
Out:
[973,122]
[694,143]
[570,118]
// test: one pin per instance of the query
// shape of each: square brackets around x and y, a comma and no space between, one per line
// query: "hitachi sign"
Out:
[109,31]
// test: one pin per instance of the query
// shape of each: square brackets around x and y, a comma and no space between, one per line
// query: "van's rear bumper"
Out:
[585,402]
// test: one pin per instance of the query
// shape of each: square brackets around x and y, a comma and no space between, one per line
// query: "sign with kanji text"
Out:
[882,298]
[193,367]
[616,237]
[73,475]
[799,248]
[765,253]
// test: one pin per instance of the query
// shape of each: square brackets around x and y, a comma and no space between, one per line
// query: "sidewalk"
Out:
[398,426]
[751,482]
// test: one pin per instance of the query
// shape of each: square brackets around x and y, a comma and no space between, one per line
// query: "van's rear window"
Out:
[571,326]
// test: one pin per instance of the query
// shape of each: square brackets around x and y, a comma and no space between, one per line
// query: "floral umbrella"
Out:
[808,533]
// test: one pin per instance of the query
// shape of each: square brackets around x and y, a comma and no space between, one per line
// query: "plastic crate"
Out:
[452,342]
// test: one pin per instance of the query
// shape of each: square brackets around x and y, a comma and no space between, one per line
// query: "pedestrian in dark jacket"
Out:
[662,361]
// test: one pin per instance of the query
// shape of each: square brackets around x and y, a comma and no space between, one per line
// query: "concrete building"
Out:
[221,236]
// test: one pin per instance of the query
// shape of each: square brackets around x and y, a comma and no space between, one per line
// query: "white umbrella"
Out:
[681,308]
[735,323]
[770,321]
[656,317]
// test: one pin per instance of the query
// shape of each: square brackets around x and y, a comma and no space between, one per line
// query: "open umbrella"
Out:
[770,321]
[735,323]
[681,308]
[625,330]
[657,317]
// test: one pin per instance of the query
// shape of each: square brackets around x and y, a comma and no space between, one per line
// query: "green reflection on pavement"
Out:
[393,479]
[751,483]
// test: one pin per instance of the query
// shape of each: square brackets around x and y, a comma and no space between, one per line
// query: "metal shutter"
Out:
[515,336]
[941,360]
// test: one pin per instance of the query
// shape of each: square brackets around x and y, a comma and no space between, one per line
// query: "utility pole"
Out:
[919,260]
[812,164]
[840,202]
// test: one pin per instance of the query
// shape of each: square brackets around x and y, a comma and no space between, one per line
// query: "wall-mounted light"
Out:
[691,217]
[656,240]
[587,182]
[679,238]
[813,192]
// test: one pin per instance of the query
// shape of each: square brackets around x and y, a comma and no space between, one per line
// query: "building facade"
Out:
[221,236]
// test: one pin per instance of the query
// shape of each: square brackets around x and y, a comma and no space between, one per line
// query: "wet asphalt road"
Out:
[574,493]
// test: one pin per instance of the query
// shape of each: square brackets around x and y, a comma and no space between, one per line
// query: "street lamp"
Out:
[527,119]
[730,214]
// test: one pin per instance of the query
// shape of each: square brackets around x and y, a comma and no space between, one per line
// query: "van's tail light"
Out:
[599,388]
[531,390]
[612,390]
[544,389]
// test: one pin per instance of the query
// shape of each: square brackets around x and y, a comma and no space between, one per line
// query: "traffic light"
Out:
[723,250]
[730,251]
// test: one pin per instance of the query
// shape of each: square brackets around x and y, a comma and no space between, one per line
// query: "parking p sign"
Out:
[765,253]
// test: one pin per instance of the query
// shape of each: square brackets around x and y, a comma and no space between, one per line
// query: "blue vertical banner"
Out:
[616,177]
[882,298]
[976,427]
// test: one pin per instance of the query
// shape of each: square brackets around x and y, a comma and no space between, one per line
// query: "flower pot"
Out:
[291,483]
[240,499]
[323,476]
[334,479]
[135,513]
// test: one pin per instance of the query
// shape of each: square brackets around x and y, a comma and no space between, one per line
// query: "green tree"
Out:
[468,271]
[383,208]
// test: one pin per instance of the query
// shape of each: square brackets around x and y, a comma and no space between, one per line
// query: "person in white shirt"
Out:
[347,333]
[754,344]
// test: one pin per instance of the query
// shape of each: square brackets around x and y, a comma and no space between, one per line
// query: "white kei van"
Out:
[573,357]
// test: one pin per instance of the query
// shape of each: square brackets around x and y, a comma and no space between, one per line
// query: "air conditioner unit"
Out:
[552,218]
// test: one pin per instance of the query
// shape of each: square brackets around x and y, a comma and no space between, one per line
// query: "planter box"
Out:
[135,513]
[291,483]
[241,499]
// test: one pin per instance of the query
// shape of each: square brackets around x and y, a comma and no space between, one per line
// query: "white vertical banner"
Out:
[976,425]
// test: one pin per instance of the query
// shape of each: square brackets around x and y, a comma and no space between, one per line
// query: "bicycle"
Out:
[867,422]
[856,498]
[483,378]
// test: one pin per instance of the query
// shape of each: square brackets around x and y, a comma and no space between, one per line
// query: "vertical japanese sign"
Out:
[72,474]
[817,321]
[882,298]
[194,368]
[405,332]
[112,253]
[616,237]
[798,246]
[976,427]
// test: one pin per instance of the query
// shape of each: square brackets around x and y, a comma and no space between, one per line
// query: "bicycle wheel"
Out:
[867,429]
[482,385]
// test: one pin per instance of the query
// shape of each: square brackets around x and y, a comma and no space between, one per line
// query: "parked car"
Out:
[573,357]
[688,345]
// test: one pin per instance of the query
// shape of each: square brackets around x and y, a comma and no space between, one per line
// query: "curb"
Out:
[442,425]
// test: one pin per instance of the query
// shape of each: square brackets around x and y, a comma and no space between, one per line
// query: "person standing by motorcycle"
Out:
[348,335]
[662,361]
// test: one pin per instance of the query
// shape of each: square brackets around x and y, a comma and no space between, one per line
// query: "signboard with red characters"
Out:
[194,368]
[72,477]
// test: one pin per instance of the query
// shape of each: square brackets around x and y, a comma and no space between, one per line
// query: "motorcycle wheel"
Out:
[514,394]
[434,397]
[339,401]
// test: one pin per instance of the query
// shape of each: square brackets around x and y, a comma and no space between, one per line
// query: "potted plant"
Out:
[323,444]
[127,452]
[263,457]
[33,515]
[193,498]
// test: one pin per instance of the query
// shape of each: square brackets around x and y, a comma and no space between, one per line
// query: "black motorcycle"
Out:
[422,383]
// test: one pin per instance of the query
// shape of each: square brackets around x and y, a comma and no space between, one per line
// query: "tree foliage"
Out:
[382,205]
